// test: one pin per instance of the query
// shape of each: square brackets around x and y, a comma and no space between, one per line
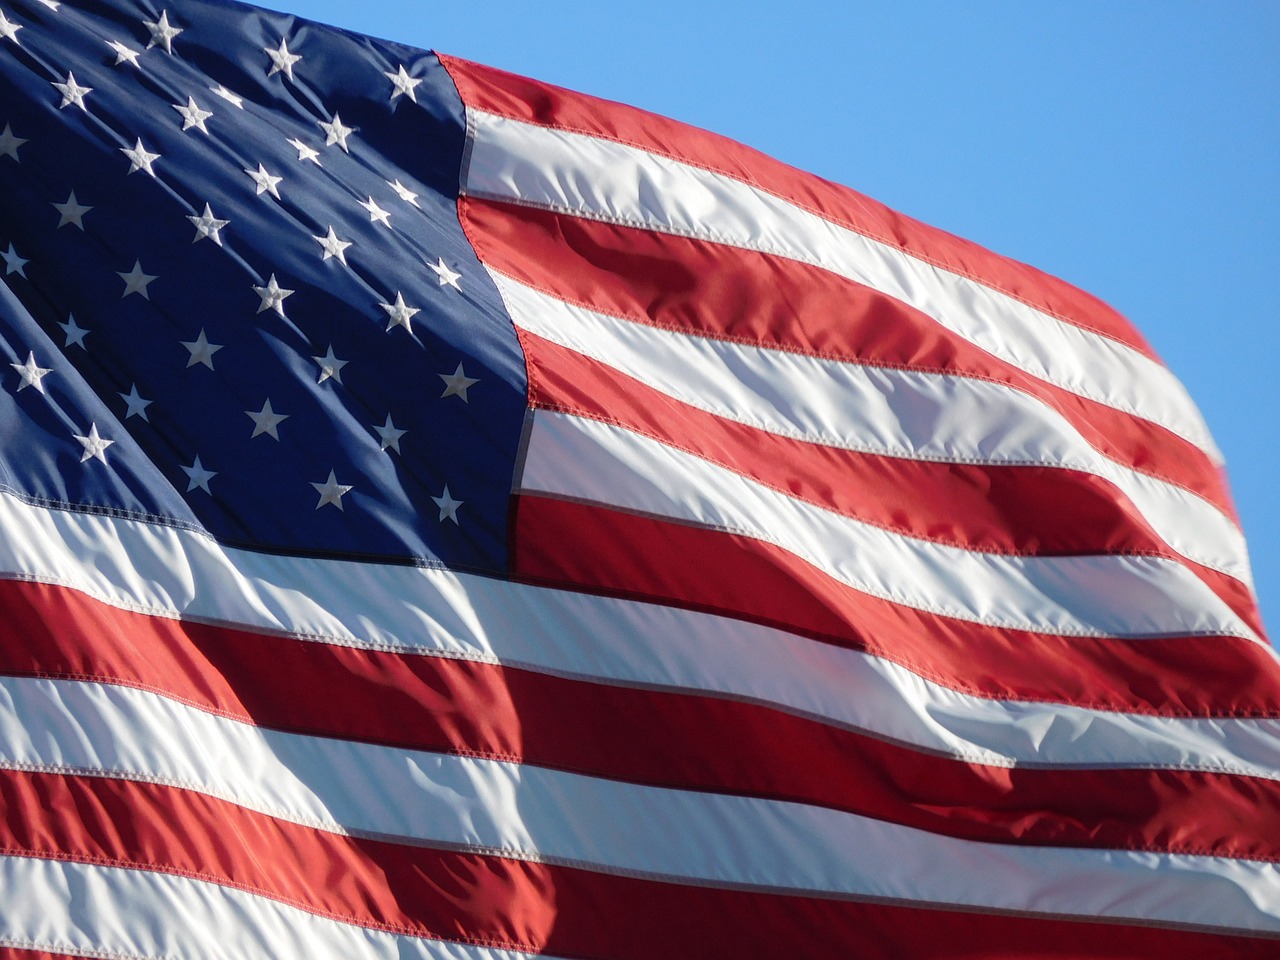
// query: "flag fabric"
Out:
[444,515]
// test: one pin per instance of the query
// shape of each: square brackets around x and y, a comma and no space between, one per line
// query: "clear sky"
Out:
[1132,148]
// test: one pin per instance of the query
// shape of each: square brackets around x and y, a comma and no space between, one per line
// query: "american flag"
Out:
[444,515]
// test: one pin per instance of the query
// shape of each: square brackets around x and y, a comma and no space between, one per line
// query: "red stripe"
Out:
[620,554]
[1041,511]
[526,906]
[708,289]
[414,890]
[724,745]
[505,94]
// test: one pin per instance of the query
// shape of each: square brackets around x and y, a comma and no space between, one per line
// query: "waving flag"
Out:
[443,515]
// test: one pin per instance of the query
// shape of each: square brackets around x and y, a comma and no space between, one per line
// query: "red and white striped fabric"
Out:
[871,595]
[963,544]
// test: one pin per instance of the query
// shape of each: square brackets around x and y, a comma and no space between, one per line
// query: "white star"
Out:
[74,332]
[407,195]
[376,213]
[94,445]
[335,131]
[448,506]
[282,60]
[202,350]
[331,491]
[333,247]
[198,476]
[404,84]
[388,435]
[162,32]
[227,95]
[399,313]
[457,383]
[330,366]
[71,211]
[72,92]
[124,53]
[266,420]
[207,225]
[272,296]
[140,158]
[447,277]
[14,263]
[51,4]
[9,31]
[193,115]
[135,281]
[9,144]
[265,182]
[31,374]
[306,152]
[135,406]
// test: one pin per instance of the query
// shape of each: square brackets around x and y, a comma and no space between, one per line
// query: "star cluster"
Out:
[237,294]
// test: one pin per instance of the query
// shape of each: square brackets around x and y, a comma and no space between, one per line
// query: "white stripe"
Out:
[172,573]
[612,181]
[100,911]
[532,813]
[872,409]
[1097,595]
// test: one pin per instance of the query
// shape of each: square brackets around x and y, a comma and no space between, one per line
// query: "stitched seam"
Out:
[71,950]
[841,222]
[869,648]
[978,757]
[757,535]
[202,876]
[799,258]
[855,360]
[588,414]
[866,589]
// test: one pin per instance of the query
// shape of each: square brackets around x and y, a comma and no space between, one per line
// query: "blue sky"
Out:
[1130,148]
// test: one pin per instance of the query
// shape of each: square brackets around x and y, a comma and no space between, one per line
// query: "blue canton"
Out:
[236,293]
